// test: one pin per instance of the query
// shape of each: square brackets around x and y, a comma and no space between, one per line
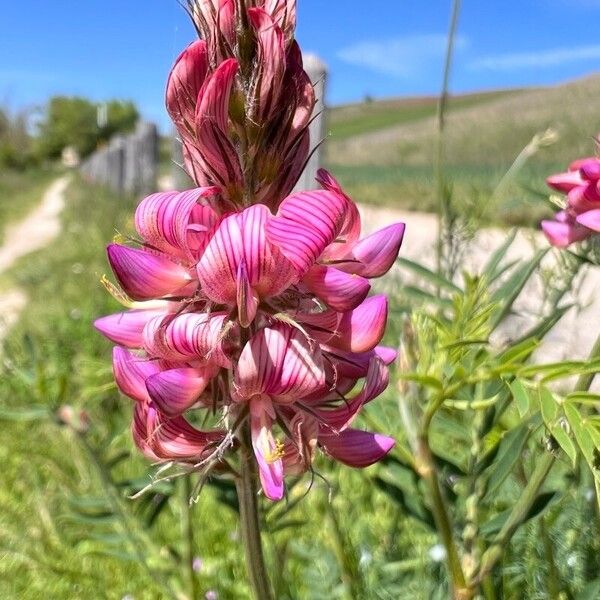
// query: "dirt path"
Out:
[572,337]
[34,232]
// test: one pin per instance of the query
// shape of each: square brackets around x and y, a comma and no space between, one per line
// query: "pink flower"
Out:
[249,305]
[580,218]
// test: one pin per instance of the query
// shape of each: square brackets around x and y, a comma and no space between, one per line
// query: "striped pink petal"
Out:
[268,454]
[241,238]
[590,219]
[283,13]
[190,336]
[320,326]
[139,430]
[565,182]
[174,438]
[212,127]
[339,290]
[131,372]
[350,230]
[279,362]
[361,329]
[562,234]
[376,254]
[356,448]
[267,81]
[354,365]
[185,82]
[339,418]
[175,390]
[300,447]
[590,169]
[306,223]
[145,276]
[126,328]
[176,222]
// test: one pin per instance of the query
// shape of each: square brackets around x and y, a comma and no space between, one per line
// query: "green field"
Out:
[384,151]
[354,119]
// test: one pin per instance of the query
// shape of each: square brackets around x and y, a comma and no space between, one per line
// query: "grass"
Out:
[355,119]
[411,187]
[20,191]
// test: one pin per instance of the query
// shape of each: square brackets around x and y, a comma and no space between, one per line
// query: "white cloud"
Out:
[534,60]
[399,57]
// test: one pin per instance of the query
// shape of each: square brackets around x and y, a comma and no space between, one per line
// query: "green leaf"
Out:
[495,524]
[425,273]
[584,398]
[518,352]
[511,448]
[549,407]
[540,330]
[424,380]
[521,397]
[582,436]
[491,267]
[509,291]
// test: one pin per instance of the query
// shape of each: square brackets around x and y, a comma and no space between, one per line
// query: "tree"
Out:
[74,121]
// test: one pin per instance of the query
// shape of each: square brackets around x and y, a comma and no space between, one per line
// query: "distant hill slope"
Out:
[482,129]
[372,115]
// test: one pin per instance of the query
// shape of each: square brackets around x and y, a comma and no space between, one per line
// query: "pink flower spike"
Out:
[339,290]
[175,390]
[361,330]
[377,253]
[145,276]
[267,451]
[356,448]
[125,328]
[131,372]
[306,223]
[590,219]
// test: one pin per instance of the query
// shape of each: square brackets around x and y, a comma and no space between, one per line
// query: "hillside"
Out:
[481,129]
[388,159]
[373,115]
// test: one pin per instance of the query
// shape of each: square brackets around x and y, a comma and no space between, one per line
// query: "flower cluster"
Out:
[247,302]
[580,218]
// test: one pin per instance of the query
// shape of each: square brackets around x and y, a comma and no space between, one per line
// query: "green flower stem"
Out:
[443,203]
[427,471]
[519,513]
[187,534]
[585,381]
[249,519]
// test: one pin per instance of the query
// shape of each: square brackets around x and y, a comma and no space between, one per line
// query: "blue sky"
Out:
[124,48]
